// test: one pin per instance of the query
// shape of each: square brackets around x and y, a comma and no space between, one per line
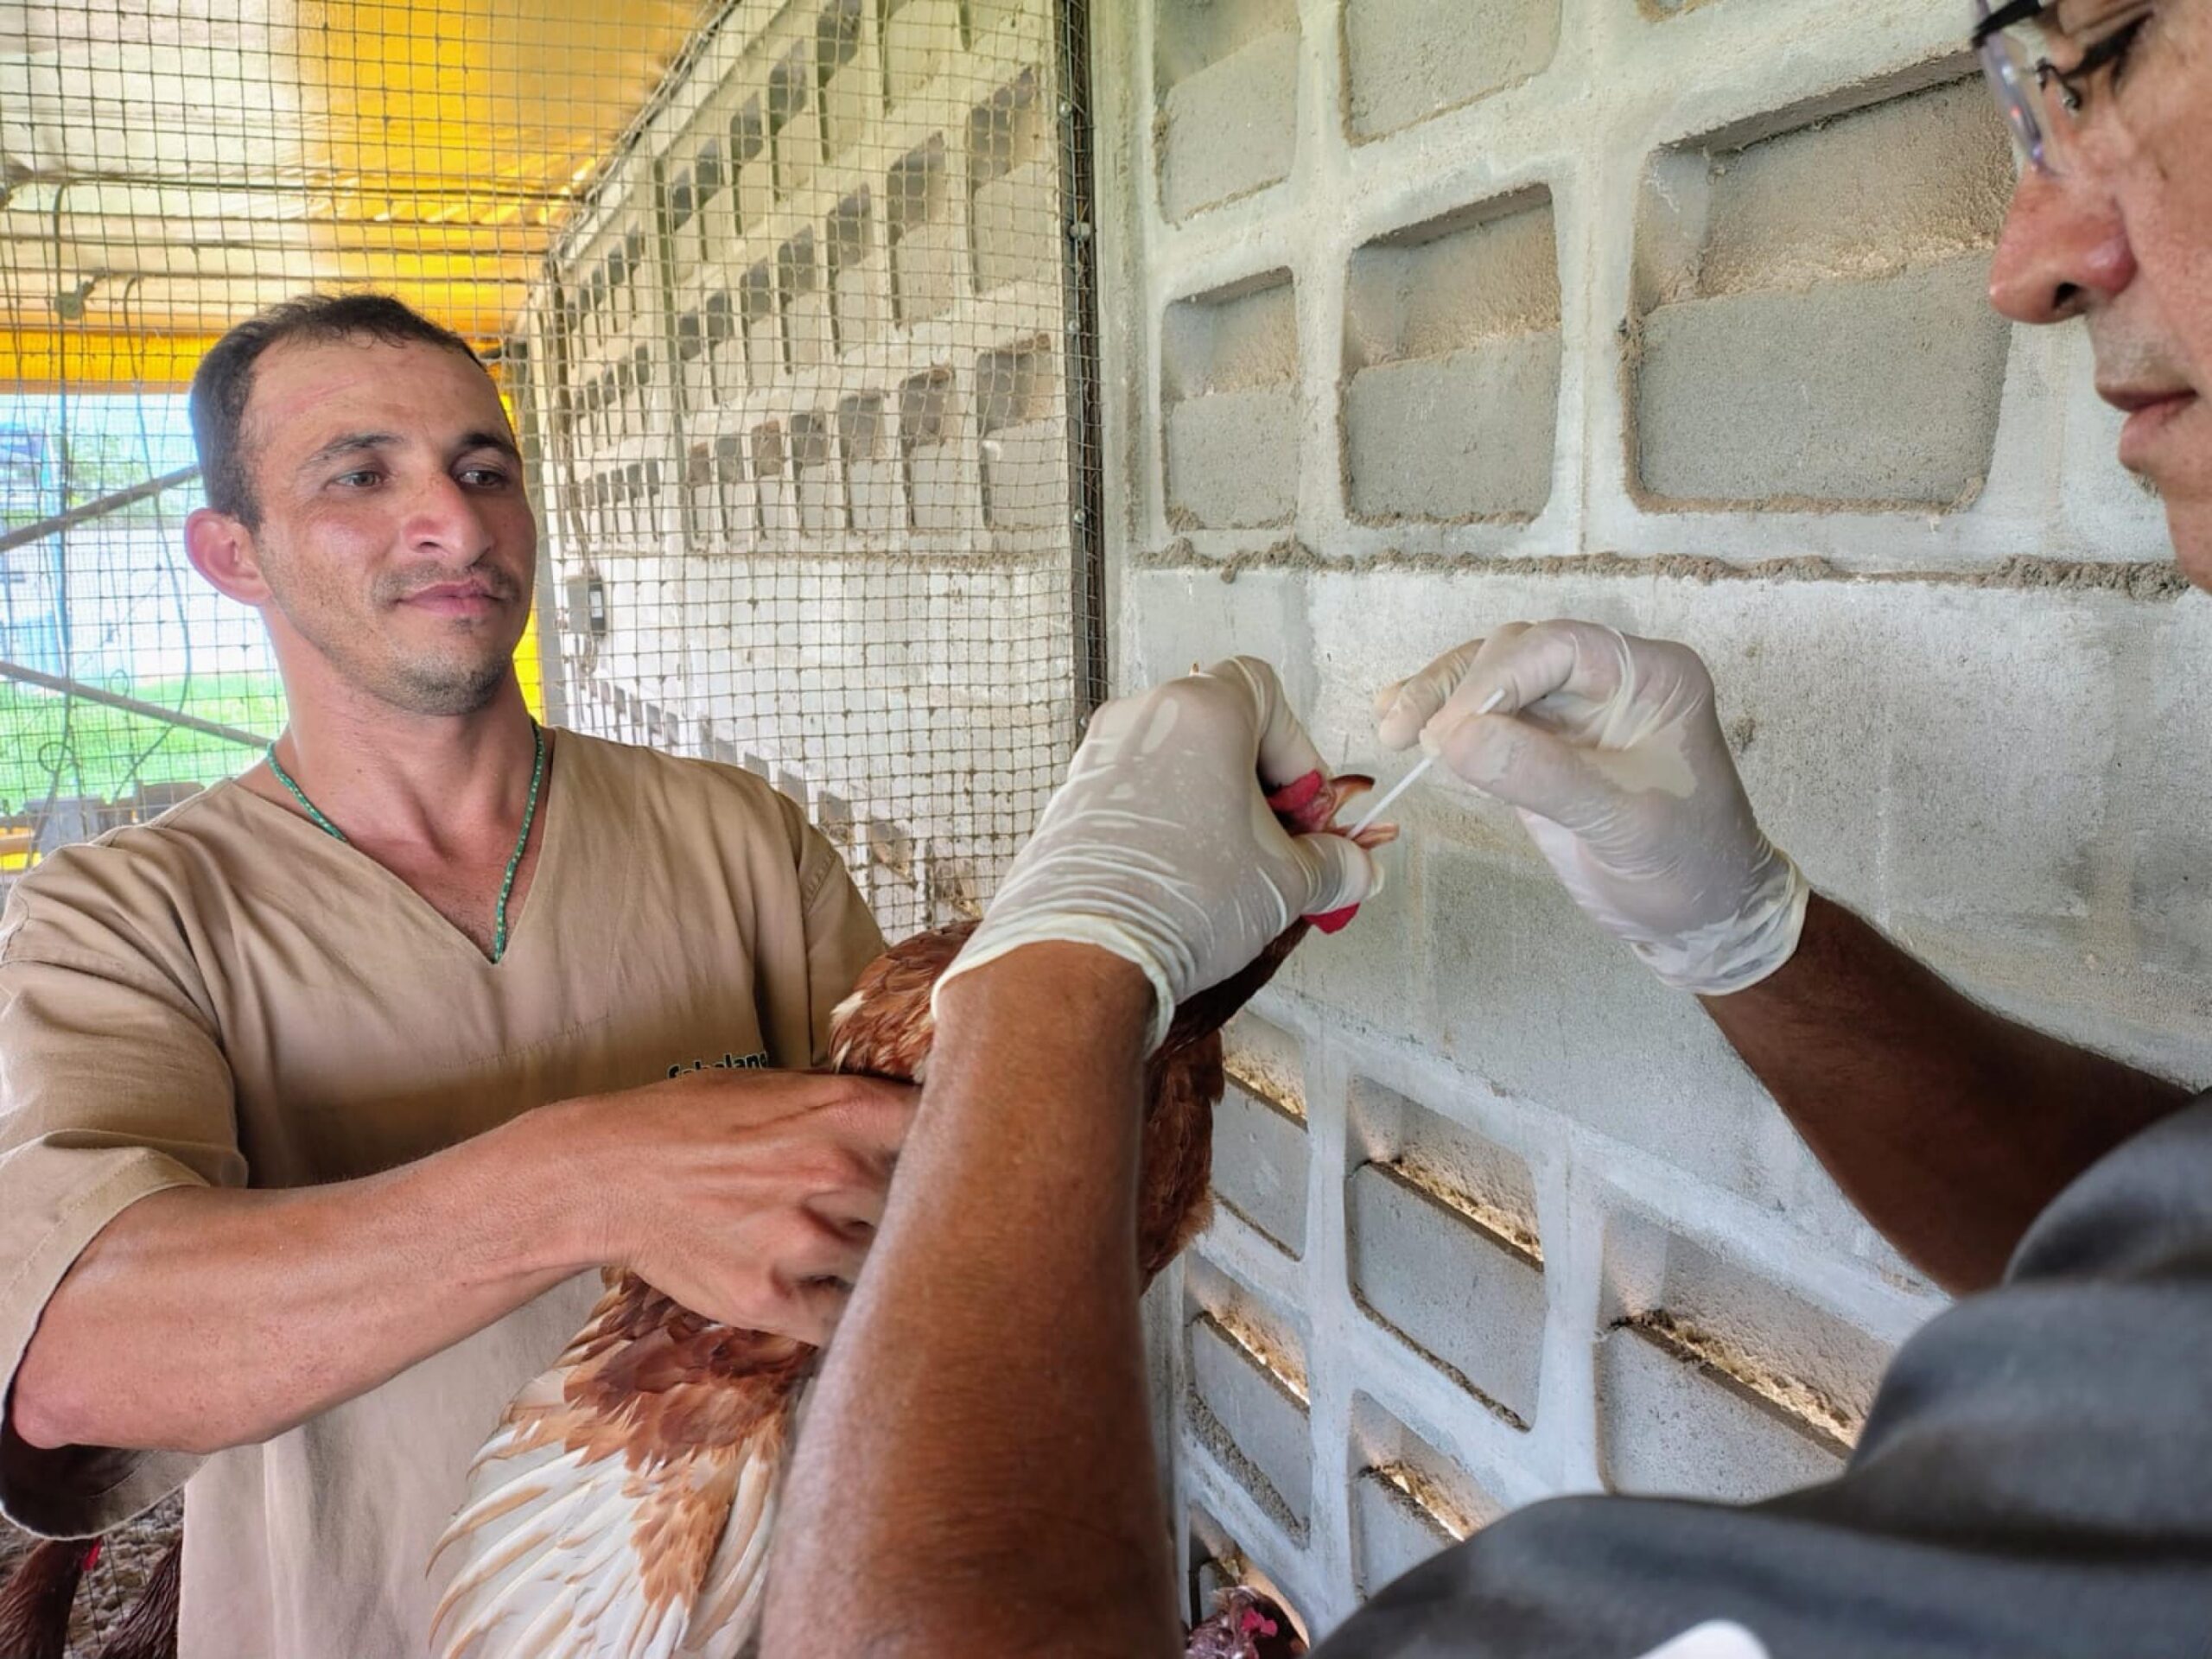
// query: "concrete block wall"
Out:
[800,387]
[1773,307]
[1227,79]
[1230,405]
[1453,325]
[1421,316]
[1408,1499]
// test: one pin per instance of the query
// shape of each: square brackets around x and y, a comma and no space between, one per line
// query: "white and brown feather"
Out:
[623,1507]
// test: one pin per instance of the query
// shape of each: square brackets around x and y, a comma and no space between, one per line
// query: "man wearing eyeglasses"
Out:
[2035,1481]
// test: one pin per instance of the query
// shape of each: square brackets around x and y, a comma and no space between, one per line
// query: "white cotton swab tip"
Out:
[1490,707]
[1392,794]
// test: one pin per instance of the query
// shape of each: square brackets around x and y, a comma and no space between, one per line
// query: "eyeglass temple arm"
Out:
[2014,11]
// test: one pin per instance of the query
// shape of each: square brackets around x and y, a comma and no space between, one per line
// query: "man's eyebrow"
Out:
[346,443]
[350,441]
[490,440]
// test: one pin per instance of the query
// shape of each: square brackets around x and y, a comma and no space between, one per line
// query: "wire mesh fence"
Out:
[126,682]
[790,303]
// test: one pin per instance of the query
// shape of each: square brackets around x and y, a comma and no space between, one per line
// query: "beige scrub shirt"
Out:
[229,996]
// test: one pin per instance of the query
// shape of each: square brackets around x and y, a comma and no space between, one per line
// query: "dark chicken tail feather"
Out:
[35,1602]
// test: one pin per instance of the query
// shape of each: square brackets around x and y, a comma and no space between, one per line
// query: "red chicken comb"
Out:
[1293,801]
[1309,806]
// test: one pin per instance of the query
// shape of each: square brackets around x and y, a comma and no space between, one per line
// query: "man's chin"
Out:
[2189,518]
[455,672]
[443,687]
[458,696]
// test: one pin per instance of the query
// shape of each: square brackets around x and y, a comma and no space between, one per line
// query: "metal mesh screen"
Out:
[791,304]
[129,682]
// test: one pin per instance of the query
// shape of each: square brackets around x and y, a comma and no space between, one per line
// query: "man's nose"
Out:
[443,514]
[2063,247]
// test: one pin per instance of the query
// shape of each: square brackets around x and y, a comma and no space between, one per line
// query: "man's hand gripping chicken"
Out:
[625,1504]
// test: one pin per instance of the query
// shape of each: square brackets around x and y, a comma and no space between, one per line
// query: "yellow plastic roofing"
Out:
[170,166]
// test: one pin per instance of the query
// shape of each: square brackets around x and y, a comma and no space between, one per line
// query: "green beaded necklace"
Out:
[514,860]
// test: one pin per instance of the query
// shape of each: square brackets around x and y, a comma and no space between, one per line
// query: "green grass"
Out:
[106,753]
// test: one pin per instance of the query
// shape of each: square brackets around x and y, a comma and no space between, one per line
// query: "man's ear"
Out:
[222,549]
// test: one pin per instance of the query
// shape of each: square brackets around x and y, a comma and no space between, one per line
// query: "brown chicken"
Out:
[148,1630]
[625,1505]
[34,1605]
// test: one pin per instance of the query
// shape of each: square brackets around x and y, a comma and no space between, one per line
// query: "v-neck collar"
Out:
[551,817]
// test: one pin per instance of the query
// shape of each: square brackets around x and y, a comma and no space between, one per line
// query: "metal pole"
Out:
[99,509]
[1085,435]
[130,705]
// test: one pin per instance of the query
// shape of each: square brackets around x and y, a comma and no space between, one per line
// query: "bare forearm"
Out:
[201,1319]
[1948,1126]
[977,1472]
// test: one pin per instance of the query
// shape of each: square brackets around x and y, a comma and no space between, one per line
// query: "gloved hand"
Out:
[1610,749]
[1161,847]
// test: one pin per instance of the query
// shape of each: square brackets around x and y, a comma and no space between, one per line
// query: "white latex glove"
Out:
[1160,848]
[1610,749]
[1720,1639]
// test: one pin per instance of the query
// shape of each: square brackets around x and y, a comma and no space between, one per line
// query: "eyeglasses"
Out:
[2046,106]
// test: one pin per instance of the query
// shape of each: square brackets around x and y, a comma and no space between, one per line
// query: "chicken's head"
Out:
[1309,807]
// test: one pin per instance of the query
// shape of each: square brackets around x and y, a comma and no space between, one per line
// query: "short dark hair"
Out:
[223,380]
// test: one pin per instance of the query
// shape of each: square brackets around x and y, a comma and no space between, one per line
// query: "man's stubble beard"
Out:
[419,686]
[421,692]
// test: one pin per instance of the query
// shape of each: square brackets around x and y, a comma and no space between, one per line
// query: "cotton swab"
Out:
[1390,795]
[1490,707]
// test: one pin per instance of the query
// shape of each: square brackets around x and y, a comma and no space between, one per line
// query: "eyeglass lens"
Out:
[2013,77]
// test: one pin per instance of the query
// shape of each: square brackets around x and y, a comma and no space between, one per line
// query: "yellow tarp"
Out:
[177,166]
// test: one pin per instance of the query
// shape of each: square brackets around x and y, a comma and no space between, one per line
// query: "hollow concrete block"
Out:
[1392,1534]
[1455,1291]
[877,505]
[940,488]
[1665,1425]
[1232,457]
[1407,60]
[1408,1500]
[1851,392]
[1017,227]
[925,264]
[1025,475]
[809,329]
[1260,1160]
[1231,128]
[918,36]
[1265,1425]
[860,303]
[1470,436]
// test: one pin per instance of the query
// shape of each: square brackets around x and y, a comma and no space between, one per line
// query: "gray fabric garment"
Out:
[2035,1481]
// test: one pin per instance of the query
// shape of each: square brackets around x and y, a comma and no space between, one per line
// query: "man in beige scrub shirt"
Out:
[312,1126]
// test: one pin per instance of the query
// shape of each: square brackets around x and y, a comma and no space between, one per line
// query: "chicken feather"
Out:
[148,1630]
[35,1601]
[625,1505]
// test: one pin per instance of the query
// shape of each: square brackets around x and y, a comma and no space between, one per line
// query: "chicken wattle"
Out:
[625,1504]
